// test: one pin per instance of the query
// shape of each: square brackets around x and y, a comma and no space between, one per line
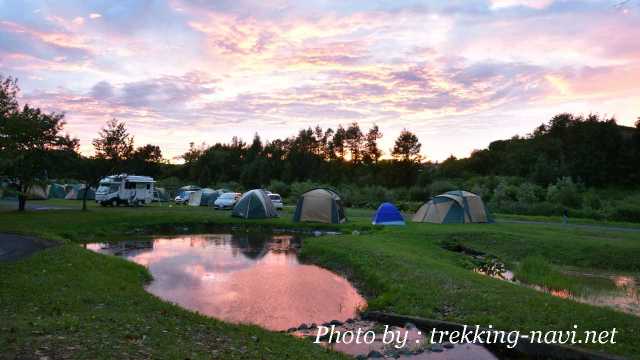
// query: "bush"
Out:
[564,192]
[625,212]
[442,186]
[528,193]
[280,187]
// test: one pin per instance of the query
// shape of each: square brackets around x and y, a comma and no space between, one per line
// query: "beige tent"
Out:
[320,205]
[453,207]
[38,192]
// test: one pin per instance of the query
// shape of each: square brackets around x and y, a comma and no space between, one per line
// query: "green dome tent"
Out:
[56,191]
[320,205]
[254,204]
[453,207]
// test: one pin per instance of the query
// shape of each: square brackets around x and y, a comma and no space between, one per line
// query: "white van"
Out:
[125,189]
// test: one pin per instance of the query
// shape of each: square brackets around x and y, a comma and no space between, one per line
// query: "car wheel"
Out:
[114,202]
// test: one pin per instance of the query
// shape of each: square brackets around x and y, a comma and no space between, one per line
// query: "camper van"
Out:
[125,189]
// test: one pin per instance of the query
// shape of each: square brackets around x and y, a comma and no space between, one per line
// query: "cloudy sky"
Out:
[458,73]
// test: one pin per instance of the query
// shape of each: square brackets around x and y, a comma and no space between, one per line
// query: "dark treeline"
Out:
[346,155]
[591,150]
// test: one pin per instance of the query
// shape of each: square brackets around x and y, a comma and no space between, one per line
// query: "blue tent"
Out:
[387,214]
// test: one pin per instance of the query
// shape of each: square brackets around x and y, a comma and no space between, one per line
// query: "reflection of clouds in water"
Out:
[250,278]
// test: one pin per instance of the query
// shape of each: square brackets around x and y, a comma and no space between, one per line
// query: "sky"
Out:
[459,74]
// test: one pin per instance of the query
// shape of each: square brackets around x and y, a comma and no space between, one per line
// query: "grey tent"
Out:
[453,207]
[38,192]
[202,197]
[77,193]
[160,194]
[320,205]
[254,204]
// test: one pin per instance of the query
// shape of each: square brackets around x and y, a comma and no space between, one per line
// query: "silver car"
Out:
[276,200]
[226,200]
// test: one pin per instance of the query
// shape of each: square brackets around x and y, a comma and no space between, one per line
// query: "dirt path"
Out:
[578,226]
[15,247]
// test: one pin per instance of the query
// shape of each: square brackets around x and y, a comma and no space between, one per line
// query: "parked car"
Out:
[276,199]
[183,197]
[226,201]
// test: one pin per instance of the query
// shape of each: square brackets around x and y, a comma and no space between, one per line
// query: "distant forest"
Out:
[590,150]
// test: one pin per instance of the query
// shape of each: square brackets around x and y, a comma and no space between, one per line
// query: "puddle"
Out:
[243,277]
[620,292]
[417,345]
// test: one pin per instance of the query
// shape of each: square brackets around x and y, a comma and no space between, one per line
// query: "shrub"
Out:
[280,187]
[625,212]
[564,192]
[442,186]
[528,193]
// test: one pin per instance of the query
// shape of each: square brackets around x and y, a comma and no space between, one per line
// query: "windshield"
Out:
[228,196]
[274,197]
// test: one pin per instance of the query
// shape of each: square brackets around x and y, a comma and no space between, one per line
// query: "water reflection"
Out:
[620,292]
[246,278]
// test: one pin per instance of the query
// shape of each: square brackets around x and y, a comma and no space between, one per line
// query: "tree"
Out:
[30,141]
[372,152]
[114,143]
[407,147]
[146,160]
[337,144]
[354,140]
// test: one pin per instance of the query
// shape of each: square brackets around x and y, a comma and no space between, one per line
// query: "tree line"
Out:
[592,150]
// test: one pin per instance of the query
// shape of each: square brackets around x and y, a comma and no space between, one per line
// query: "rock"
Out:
[418,351]
[351,321]
[255,338]
[291,329]
[303,327]
[335,322]
[361,357]
[313,326]
[436,348]
[448,345]
[410,326]
[375,354]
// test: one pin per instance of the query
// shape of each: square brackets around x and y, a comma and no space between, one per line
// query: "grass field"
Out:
[71,300]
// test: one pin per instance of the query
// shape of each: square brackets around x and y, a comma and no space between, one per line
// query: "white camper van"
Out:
[125,189]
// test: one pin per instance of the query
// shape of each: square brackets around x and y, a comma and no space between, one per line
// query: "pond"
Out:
[242,277]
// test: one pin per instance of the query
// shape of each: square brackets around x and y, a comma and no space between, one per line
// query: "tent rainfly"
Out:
[320,205]
[387,214]
[56,191]
[453,207]
[77,193]
[38,192]
[254,204]
[201,197]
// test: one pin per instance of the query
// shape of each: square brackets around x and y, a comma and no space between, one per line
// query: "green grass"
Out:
[69,297]
[67,301]
[407,271]
[536,270]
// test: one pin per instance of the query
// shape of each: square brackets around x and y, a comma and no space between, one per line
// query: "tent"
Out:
[77,193]
[453,207]
[38,192]
[254,204]
[56,191]
[387,214]
[320,205]
[202,197]
[160,194]
[209,196]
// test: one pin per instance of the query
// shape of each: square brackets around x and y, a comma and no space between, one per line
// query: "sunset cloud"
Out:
[481,70]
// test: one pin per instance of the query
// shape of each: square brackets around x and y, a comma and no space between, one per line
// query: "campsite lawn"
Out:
[93,306]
